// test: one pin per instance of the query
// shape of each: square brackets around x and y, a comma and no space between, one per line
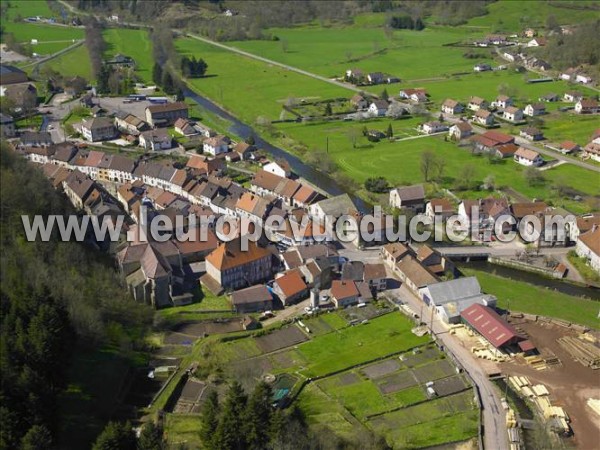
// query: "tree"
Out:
[384,95]
[115,436]
[228,434]
[328,109]
[533,177]
[353,134]
[168,84]
[390,132]
[466,176]
[210,419]
[151,438]
[258,414]
[439,166]
[427,164]
[179,95]
[490,182]
[284,45]
[251,140]
[551,23]
[37,438]
[157,74]
[377,184]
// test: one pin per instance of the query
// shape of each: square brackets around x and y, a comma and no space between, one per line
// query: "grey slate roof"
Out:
[452,290]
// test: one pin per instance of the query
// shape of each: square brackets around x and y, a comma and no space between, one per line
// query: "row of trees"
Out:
[57,297]
[192,67]
[406,23]
[94,41]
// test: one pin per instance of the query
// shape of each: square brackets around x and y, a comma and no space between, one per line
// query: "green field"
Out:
[250,88]
[133,43]
[535,300]
[27,8]
[74,62]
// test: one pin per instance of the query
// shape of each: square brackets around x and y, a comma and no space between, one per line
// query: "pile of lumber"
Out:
[583,352]
[594,403]
[536,361]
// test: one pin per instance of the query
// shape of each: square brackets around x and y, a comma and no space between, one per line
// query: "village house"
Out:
[417,95]
[534,109]
[502,102]
[306,196]
[513,114]
[77,188]
[156,140]
[378,107]
[166,114]
[7,125]
[279,168]
[184,127]
[479,216]
[583,78]
[98,129]
[568,147]
[440,207]
[520,210]
[375,78]
[392,254]
[413,274]
[333,207]
[128,123]
[355,74]
[344,293]
[572,96]
[531,133]
[586,106]
[491,139]
[375,276]
[452,107]
[408,197]
[477,103]
[460,130]
[64,155]
[433,127]
[39,155]
[290,287]
[252,299]
[216,145]
[504,151]
[483,117]
[232,268]
[359,102]
[588,247]
[35,139]
[529,32]
[592,150]
[551,97]
[527,157]
[253,207]
[537,42]
[200,164]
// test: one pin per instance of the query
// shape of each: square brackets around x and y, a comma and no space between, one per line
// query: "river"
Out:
[534,279]
[309,173]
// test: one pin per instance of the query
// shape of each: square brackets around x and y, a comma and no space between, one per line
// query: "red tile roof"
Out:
[490,325]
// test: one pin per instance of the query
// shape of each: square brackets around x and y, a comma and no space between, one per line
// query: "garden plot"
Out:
[423,355]
[189,399]
[178,339]
[434,371]
[200,329]
[279,339]
[451,385]
[355,315]
[396,382]
[285,360]
[381,369]
[325,323]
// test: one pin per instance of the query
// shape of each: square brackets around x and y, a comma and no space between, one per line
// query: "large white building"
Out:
[588,247]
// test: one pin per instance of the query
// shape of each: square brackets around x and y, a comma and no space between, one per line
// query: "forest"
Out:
[56,298]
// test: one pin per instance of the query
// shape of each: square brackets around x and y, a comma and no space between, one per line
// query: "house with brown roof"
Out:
[92,163]
[290,287]
[568,147]
[587,106]
[521,209]
[572,96]
[40,155]
[166,114]
[477,103]
[408,197]
[184,127]
[306,196]
[156,140]
[233,268]
[359,101]
[375,276]
[460,130]
[344,293]
[441,207]
[252,299]
[490,139]
[392,253]
[513,114]
[531,133]
[253,207]
[244,149]
[504,151]
[77,187]
[413,274]
[216,145]
[98,129]
[534,109]
[204,165]
[502,102]
[527,157]
[483,117]
[128,123]
[452,107]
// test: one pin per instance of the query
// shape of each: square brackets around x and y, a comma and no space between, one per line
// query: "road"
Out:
[275,63]
[494,419]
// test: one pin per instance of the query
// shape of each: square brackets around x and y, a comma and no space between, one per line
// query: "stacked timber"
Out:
[583,352]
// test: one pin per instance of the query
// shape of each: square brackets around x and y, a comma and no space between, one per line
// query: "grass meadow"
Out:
[536,300]
[72,63]
[134,43]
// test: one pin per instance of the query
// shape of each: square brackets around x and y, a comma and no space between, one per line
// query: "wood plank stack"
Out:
[583,352]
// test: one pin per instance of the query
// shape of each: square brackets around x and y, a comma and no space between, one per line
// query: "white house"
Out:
[378,108]
[588,247]
[583,78]
[513,114]
[537,42]
[281,169]
[433,127]
[155,140]
[215,145]
[572,96]
[592,150]
[452,107]
[477,103]
[586,106]
[503,102]
[527,157]
[460,130]
[484,117]
[534,109]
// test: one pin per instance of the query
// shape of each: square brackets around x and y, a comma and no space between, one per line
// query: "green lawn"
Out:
[72,63]
[353,345]
[183,430]
[250,88]
[571,127]
[133,43]
[51,38]
[27,8]
[535,300]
